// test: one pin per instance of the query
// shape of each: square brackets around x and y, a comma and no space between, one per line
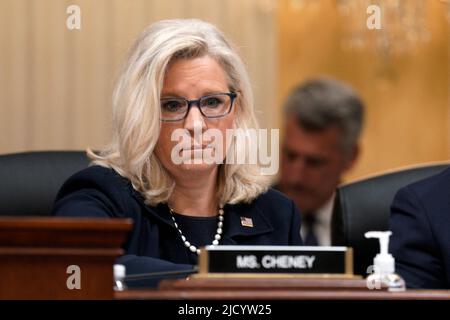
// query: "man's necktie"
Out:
[310,238]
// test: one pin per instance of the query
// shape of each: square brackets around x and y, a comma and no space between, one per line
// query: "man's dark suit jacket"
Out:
[154,243]
[420,223]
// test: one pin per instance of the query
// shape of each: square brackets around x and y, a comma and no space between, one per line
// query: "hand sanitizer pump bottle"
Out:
[384,265]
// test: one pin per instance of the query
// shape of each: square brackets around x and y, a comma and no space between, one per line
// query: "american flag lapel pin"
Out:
[247,222]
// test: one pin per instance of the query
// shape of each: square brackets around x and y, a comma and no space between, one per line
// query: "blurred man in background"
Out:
[323,121]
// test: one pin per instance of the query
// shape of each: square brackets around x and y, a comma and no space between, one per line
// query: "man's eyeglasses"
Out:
[211,106]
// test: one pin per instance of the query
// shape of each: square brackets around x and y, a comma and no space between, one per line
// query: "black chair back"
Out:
[29,181]
[364,206]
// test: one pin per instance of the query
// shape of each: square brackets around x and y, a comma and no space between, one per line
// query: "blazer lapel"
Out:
[160,212]
[176,252]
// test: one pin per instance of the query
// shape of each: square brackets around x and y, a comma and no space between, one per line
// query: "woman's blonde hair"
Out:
[136,110]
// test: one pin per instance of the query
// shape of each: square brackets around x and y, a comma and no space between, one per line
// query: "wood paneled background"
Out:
[55,83]
[406,94]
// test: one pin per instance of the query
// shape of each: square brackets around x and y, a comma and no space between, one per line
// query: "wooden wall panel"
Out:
[14,75]
[56,84]
[407,95]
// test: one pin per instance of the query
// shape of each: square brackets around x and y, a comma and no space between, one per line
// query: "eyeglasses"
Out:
[211,106]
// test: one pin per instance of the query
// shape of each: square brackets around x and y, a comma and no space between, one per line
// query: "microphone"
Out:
[160,274]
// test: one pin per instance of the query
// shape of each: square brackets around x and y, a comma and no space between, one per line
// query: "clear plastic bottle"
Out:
[384,266]
[119,277]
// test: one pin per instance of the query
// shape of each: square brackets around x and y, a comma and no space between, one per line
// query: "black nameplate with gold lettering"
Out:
[276,260]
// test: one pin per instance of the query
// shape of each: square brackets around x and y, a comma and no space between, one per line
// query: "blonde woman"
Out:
[180,76]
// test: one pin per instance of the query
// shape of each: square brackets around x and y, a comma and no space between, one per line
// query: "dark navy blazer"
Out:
[154,243]
[420,223]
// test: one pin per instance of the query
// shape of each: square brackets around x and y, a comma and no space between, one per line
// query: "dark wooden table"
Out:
[38,256]
[35,254]
[275,289]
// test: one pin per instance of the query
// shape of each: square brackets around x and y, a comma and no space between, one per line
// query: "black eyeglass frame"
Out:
[196,102]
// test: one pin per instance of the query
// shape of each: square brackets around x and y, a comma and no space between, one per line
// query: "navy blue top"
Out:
[154,244]
[199,231]
[420,224]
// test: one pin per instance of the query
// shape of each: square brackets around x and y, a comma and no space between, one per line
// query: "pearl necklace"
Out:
[217,236]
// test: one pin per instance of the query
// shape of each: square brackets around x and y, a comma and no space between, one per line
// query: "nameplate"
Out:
[276,260]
